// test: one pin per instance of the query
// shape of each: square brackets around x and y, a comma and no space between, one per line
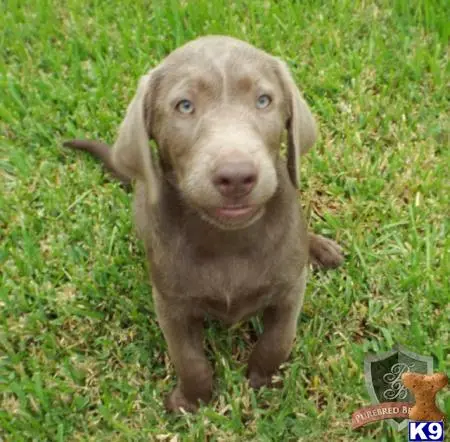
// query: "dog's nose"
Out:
[235,179]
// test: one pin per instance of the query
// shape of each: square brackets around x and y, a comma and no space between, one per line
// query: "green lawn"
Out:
[81,355]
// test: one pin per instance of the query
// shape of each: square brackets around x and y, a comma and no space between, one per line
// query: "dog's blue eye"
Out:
[185,107]
[263,101]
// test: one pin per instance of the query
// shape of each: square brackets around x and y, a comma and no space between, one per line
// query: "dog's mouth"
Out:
[235,212]
[233,217]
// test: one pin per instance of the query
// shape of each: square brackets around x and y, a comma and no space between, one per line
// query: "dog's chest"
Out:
[235,287]
[227,286]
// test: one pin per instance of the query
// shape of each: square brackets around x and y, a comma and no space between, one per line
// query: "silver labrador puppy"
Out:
[218,209]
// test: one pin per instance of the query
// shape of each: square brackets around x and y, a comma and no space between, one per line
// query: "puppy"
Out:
[217,206]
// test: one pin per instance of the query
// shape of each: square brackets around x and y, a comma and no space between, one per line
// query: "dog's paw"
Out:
[176,402]
[324,253]
[257,380]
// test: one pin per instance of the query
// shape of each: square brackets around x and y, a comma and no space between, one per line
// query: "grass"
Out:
[81,355]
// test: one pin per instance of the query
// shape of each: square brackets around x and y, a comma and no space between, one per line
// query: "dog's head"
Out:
[217,109]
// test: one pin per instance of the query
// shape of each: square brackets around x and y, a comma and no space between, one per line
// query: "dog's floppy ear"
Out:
[131,152]
[300,124]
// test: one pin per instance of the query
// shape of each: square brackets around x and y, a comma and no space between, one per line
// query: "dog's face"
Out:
[218,120]
[217,109]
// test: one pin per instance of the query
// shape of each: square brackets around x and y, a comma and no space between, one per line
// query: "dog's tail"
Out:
[102,152]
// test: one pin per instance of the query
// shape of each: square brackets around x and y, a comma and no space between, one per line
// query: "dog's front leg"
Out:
[275,343]
[184,337]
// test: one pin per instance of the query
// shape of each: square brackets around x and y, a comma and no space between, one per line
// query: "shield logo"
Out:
[383,373]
